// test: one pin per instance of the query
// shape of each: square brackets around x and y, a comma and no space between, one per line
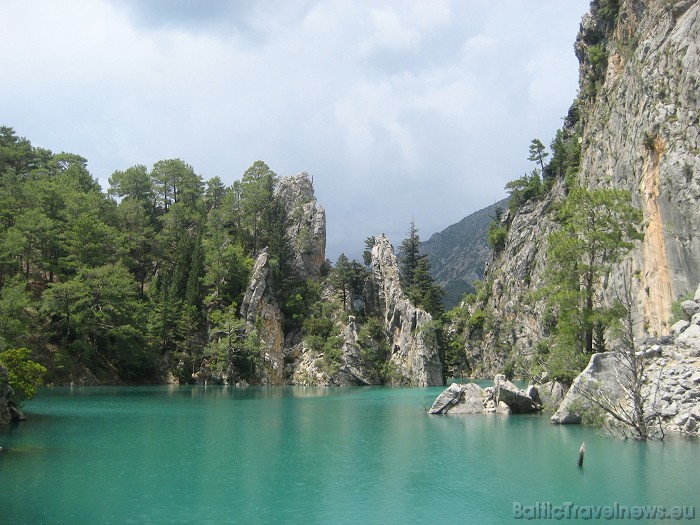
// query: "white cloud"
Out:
[418,108]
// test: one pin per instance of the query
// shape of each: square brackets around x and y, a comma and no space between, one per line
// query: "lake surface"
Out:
[179,454]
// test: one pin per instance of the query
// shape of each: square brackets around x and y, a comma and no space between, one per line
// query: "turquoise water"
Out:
[177,454]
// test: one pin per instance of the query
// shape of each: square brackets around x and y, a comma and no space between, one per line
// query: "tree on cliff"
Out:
[416,279]
[348,278]
[537,153]
[634,412]
[597,228]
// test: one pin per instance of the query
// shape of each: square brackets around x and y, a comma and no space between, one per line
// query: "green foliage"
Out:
[677,312]
[608,10]
[151,271]
[597,55]
[497,236]
[348,279]
[375,350]
[25,376]
[524,189]
[597,228]
[322,335]
[15,313]
[566,155]
[537,152]
[416,279]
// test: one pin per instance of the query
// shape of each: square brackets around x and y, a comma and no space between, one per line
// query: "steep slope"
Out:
[459,253]
[638,124]
[414,350]
[641,133]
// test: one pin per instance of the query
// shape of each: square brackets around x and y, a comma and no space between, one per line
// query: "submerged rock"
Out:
[517,400]
[601,373]
[551,394]
[470,398]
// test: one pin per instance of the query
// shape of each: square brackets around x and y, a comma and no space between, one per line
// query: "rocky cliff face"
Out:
[263,314]
[641,133]
[307,233]
[414,347]
[307,227]
[639,113]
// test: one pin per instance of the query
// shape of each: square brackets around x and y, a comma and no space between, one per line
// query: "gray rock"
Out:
[689,340]
[551,394]
[696,297]
[502,408]
[695,319]
[518,401]
[459,399]
[354,371]
[471,401]
[691,424]
[533,393]
[679,327]
[414,345]
[449,397]
[690,307]
[602,373]
[9,405]
[307,225]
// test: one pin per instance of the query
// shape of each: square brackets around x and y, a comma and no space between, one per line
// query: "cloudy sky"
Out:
[398,109]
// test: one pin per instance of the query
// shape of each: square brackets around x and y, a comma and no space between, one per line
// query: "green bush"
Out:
[497,236]
[25,376]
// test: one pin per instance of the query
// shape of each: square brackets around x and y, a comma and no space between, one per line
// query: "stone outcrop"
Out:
[517,400]
[671,386]
[414,351]
[307,366]
[502,398]
[307,223]
[513,275]
[641,133]
[9,406]
[603,371]
[353,371]
[262,312]
[551,394]
[307,234]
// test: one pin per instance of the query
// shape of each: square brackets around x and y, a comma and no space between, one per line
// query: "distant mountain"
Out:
[459,253]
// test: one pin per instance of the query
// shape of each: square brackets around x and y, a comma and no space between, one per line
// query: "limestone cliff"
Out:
[641,133]
[307,223]
[260,308]
[261,312]
[414,347]
[637,116]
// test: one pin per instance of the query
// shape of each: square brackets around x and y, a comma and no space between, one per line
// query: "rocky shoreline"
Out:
[671,383]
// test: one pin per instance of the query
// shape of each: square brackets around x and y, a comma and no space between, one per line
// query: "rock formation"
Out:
[262,312]
[503,397]
[414,346]
[353,371]
[641,133]
[260,309]
[9,407]
[307,226]
[672,382]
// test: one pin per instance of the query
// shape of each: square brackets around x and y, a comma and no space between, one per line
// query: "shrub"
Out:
[25,376]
